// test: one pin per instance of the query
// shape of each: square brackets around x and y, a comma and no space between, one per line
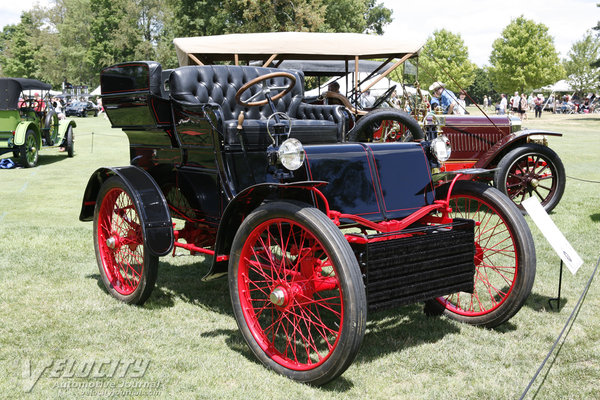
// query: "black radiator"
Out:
[434,261]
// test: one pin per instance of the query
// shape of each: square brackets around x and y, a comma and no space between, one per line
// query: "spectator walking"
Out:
[486,102]
[523,107]
[502,105]
[539,105]
[514,103]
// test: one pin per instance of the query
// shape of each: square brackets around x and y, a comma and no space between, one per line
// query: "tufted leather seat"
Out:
[218,84]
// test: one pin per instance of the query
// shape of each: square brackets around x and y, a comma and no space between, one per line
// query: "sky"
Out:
[479,22]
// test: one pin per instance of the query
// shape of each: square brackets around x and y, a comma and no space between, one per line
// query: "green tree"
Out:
[445,58]
[19,48]
[524,57]
[214,17]
[482,86]
[244,16]
[581,74]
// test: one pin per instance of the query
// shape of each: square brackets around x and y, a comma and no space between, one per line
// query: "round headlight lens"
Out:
[291,154]
[441,149]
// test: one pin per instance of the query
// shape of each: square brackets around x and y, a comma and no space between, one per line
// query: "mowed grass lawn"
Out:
[54,311]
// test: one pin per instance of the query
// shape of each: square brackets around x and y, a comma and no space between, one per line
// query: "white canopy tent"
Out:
[560,86]
[96,92]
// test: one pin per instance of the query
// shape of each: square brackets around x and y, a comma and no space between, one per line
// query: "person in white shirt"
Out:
[502,105]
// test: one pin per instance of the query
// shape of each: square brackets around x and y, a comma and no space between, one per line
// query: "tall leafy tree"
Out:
[272,15]
[581,74]
[524,57]
[482,86]
[445,58]
[19,48]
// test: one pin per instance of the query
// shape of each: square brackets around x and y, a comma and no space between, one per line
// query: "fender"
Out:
[243,204]
[22,130]
[148,198]
[508,143]
[63,125]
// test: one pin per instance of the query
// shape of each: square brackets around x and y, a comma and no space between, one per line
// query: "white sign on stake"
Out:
[553,235]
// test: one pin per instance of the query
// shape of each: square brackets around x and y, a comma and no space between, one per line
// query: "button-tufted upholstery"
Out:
[218,84]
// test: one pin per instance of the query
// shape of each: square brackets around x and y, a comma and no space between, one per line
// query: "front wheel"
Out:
[68,141]
[128,269]
[505,259]
[531,170]
[297,292]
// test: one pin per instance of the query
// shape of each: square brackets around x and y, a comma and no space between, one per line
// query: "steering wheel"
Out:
[384,97]
[265,89]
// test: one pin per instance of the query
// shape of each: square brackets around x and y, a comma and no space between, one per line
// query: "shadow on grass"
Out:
[48,159]
[595,217]
[397,329]
[184,282]
[538,302]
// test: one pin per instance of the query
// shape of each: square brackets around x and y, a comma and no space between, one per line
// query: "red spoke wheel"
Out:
[531,170]
[297,292]
[127,267]
[505,259]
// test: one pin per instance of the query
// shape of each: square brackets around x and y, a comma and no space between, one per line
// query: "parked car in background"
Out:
[81,108]
[525,165]
[28,121]
[312,231]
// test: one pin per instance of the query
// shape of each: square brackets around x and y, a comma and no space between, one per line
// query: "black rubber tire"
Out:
[313,224]
[50,123]
[29,152]
[108,257]
[366,125]
[548,199]
[84,114]
[69,141]
[506,215]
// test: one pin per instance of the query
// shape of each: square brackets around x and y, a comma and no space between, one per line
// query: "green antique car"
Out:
[29,122]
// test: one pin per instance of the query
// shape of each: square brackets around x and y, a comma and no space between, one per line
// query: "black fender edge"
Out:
[154,211]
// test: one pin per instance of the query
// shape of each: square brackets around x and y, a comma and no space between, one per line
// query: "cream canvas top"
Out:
[291,45]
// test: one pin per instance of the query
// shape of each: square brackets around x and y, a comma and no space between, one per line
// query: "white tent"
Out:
[96,92]
[560,86]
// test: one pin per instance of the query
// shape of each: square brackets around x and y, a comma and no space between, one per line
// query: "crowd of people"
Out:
[519,105]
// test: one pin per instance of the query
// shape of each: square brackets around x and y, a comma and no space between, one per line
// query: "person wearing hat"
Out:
[442,97]
[538,103]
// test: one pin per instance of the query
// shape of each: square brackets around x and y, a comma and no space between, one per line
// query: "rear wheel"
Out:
[127,267]
[532,170]
[297,292]
[29,152]
[505,259]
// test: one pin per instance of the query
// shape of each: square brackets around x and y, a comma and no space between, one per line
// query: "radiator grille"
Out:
[433,262]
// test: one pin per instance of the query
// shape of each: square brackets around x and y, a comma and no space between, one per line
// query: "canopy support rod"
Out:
[195,59]
[270,60]
[388,71]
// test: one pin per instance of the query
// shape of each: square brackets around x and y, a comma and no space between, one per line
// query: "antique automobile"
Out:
[28,122]
[312,232]
[524,164]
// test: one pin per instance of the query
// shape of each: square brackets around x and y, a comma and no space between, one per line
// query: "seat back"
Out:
[219,84]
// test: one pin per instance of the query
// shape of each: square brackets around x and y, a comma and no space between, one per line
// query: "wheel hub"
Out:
[111,242]
[278,296]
